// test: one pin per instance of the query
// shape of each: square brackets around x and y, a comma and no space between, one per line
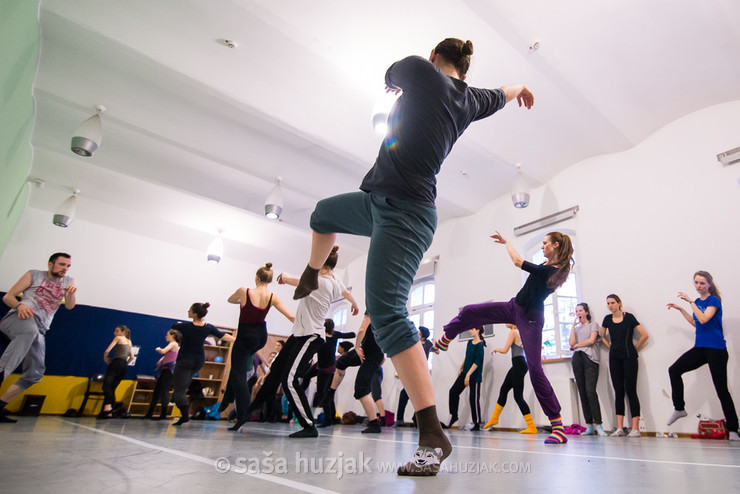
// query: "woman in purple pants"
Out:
[526,311]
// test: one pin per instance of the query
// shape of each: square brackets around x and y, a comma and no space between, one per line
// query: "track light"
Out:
[88,135]
[520,193]
[216,249]
[66,211]
[274,202]
[381,110]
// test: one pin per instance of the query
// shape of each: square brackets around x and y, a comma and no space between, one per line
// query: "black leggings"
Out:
[515,380]
[717,360]
[403,400]
[161,393]
[185,369]
[249,340]
[457,388]
[114,374]
[323,381]
[624,380]
[376,384]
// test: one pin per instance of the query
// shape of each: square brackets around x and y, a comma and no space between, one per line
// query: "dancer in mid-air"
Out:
[395,208]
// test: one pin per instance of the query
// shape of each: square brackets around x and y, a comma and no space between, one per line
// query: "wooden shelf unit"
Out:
[212,376]
[142,397]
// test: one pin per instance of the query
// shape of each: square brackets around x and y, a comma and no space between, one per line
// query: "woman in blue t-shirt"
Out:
[709,348]
[470,376]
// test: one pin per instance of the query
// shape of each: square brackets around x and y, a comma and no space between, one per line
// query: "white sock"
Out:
[677,414]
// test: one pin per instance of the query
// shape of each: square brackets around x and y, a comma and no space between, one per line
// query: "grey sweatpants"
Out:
[27,345]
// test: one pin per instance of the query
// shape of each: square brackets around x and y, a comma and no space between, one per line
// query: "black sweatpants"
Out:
[185,369]
[586,372]
[289,366]
[717,361]
[457,388]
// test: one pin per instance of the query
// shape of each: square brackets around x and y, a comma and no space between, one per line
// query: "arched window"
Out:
[339,315]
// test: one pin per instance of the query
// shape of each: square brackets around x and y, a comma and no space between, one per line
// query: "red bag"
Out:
[711,429]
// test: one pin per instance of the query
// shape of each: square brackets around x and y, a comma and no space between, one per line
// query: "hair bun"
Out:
[467,48]
[206,305]
[268,265]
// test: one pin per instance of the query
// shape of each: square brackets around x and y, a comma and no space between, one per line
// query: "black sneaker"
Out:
[309,431]
[5,419]
[373,427]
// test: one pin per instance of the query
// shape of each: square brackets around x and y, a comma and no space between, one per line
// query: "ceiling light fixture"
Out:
[381,110]
[215,250]
[66,211]
[520,194]
[274,202]
[88,135]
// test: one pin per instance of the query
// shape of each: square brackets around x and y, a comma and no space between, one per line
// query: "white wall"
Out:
[120,270]
[649,217]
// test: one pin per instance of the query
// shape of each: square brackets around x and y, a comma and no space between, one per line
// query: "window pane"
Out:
[340,317]
[549,317]
[549,350]
[417,296]
[429,293]
[428,318]
[569,287]
[416,319]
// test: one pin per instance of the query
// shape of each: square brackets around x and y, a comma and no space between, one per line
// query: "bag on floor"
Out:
[711,429]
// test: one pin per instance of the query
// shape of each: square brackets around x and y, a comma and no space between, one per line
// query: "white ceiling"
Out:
[196,133]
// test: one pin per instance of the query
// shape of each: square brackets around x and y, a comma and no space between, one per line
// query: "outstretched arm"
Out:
[508,344]
[513,254]
[685,314]
[171,347]
[519,91]
[285,279]
[702,316]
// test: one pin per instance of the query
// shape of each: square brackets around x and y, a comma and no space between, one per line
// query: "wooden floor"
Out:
[52,454]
